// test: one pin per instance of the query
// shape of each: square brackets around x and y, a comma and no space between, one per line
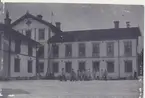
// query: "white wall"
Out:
[35,26]
[103,58]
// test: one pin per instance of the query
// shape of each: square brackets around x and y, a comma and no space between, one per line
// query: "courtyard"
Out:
[78,89]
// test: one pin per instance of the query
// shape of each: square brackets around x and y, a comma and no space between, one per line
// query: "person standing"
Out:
[105,75]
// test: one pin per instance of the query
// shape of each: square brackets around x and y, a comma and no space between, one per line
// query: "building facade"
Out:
[113,50]
[17,53]
[39,30]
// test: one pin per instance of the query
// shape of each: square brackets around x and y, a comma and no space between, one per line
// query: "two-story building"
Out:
[114,50]
[39,30]
[17,52]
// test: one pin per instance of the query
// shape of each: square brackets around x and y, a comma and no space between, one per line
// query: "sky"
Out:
[81,16]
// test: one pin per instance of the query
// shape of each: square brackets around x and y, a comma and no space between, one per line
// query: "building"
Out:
[17,52]
[114,50]
[39,30]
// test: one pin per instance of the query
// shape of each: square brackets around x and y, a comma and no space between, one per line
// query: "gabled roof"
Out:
[28,15]
[15,35]
[96,35]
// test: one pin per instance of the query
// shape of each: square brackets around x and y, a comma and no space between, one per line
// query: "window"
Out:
[110,66]
[128,48]
[55,50]
[82,50]
[68,67]
[29,66]
[68,50]
[17,65]
[30,50]
[82,66]
[41,52]
[17,46]
[55,67]
[96,50]
[110,49]
[28,33]
[41,66]
[96,66]
[128,66]
[41,34]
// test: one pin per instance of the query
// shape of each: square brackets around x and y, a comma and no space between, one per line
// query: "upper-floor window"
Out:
[30,50]
[17,65]
[96,50]
[128,48]
[55,50]
[128,66]
[18,46]
[110,48]
[82,50]
[28,33]
[41,34]
[110,66]
[68,50]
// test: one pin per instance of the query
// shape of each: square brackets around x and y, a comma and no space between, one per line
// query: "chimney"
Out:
[7,20]
[58,25]
[128,24]
[116,24]
[39,16]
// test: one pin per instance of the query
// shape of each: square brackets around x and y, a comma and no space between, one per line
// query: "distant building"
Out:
[114,50]
[39,30]
[17,52]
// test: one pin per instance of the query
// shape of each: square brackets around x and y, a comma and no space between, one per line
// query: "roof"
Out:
[96,35]
[28,15]
[9,32]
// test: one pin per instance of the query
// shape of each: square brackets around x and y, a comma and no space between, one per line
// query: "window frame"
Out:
[110,49]
[55,67]
[18,46]
[96,49]
[69,54]
[126,68]
[128,48]
[112,70]
[68,69]
[41,33]
[17,65]
[30,66]
[83,53]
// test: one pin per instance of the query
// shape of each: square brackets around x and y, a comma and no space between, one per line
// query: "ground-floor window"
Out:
[96,66]
[30,66]
[82,66]
[55,67]
[110,66]
[128,66]
[68,67]
[17,65]
[41,66]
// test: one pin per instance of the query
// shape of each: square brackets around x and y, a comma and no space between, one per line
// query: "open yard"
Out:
[79,89]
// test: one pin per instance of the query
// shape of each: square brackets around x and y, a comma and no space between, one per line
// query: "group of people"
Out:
[82,75]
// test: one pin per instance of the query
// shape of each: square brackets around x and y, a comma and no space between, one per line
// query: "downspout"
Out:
[118,59]
[9,58]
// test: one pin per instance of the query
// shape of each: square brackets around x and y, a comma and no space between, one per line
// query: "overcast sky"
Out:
[80,16]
